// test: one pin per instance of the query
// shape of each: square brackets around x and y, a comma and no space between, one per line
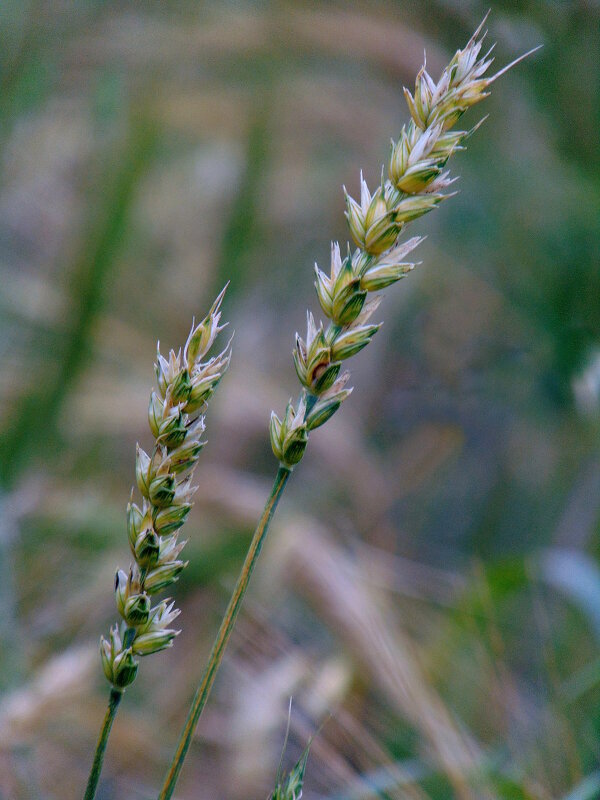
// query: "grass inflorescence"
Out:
[415,184]
[185,383]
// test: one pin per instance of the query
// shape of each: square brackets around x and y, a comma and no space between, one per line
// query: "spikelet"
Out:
[185,383]
[289,786]
[416,183]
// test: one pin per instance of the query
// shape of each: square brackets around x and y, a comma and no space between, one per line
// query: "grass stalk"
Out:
[225,630]
[416,183]
[111,713]
[185,384]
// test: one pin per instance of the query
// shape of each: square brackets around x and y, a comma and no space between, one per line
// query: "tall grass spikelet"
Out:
[164,479]
[415,184]
[289,787]
[185,384]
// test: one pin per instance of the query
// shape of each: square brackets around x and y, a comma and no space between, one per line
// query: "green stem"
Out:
[111,712]
[223,635]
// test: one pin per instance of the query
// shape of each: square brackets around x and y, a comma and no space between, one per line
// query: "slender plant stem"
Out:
[111,713]
[223,635]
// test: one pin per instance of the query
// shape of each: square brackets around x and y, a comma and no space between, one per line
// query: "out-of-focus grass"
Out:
[432,577]
[33,427]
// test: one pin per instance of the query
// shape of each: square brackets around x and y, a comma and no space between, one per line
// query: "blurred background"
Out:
[430,589]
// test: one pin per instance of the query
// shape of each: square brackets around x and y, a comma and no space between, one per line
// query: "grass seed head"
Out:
[185,384]
[416,184]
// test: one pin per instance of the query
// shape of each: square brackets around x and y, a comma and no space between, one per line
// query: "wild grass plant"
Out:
[185,384]
[431,575]
[414,183]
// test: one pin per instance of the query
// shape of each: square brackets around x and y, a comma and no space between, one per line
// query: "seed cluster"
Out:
[415,184]
[175,413]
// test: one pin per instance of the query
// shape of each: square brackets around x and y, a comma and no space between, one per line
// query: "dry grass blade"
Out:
[326,576]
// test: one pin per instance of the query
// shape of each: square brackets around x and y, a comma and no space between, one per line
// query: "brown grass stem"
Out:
[225,630]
